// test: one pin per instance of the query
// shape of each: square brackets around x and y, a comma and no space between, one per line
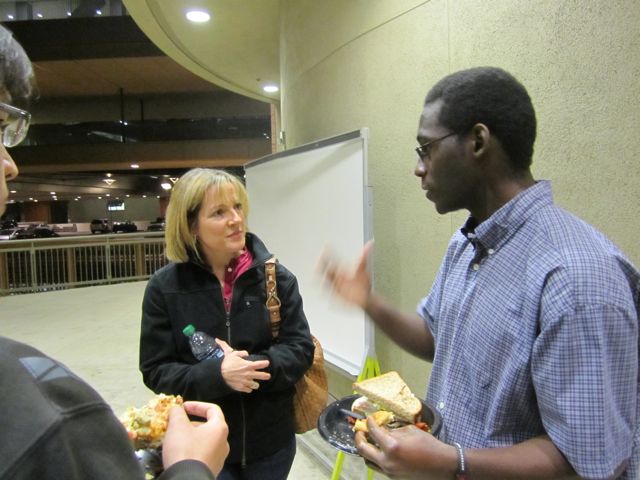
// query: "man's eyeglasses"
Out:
[424,150]
[15,126]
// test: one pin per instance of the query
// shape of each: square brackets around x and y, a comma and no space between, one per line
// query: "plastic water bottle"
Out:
[203,346]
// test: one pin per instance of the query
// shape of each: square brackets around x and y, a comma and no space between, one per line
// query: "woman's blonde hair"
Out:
[187,196]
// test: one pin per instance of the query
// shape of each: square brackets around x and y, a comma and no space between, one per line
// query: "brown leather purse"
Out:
[312,390]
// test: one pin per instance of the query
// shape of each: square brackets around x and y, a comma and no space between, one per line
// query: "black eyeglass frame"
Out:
[21,119]
[424,150]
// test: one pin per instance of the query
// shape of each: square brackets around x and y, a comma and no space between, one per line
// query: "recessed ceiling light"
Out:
[52,193]
[270,88]
[198,16]
[135,165]
[166,186]
[13,191]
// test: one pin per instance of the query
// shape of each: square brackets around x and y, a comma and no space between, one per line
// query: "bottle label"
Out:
[216,353]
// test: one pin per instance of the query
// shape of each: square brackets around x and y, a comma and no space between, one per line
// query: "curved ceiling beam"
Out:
[238,49]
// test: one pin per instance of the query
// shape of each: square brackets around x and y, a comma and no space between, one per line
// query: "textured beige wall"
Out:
[347,64]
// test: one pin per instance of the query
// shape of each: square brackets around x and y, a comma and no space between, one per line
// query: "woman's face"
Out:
[220,227]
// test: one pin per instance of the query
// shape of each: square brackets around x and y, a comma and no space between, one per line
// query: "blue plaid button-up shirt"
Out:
[535,319]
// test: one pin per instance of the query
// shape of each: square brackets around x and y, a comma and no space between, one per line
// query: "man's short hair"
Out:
[493,97]
[16,72]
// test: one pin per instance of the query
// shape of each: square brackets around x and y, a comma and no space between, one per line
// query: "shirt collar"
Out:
[495,230]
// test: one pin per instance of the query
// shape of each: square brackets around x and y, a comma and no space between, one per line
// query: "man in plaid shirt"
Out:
[532,321]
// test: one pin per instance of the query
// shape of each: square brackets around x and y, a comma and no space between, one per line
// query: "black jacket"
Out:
[55,426]
[260,422]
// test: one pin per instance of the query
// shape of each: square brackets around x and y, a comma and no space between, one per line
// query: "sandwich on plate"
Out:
[389,401]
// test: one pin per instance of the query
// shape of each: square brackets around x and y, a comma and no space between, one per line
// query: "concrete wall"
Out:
[352,64]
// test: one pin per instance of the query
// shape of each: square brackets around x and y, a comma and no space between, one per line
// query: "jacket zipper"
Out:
[244,422]
[243,461]
[244,435]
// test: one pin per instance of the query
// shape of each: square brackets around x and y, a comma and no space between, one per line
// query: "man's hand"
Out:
[407,452]
[206,442]
[352,284]
[243,375]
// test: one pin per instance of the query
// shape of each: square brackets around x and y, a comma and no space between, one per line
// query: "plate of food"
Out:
[147,425]
[386,398]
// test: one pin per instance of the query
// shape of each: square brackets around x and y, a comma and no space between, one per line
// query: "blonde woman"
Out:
[216,282]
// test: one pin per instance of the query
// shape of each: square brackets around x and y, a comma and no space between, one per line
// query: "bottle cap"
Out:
[189,330]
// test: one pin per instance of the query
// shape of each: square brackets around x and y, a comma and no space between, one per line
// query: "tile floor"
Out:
[95,330]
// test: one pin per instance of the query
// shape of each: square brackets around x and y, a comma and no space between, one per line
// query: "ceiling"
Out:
[105,76]
[238,49]
[154,51]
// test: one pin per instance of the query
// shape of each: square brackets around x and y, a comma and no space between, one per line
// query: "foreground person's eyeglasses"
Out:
[14,126]
[424,150]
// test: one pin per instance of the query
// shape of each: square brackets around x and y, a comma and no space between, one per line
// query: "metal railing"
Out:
[46,264]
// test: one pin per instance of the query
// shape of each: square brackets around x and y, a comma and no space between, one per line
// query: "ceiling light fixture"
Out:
[108,181]
[135,165]
[198,16]
[165,186]
[270,88]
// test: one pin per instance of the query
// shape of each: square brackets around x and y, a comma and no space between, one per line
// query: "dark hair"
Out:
[16,72]
[495,98]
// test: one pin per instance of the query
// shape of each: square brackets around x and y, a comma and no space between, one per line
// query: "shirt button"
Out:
[229,269]
[491,251]
[476,266]
[440,405]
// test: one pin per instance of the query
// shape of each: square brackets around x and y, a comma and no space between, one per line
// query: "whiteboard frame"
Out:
[339,363]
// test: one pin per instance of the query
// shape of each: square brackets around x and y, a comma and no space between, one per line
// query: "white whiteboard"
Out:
[302,200]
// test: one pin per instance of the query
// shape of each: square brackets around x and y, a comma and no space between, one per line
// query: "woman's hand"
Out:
[240,374]
[203,441]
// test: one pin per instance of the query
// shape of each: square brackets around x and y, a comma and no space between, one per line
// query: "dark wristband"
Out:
[461,474]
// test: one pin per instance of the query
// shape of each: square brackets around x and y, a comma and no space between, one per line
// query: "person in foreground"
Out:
[54,425]
[532,321]
[216,282]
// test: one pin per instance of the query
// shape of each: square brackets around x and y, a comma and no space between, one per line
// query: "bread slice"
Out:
[391,393]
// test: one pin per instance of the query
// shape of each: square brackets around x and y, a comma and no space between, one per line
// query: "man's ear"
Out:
[481,137]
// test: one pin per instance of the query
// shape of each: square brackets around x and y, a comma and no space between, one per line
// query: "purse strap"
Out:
[273,302]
